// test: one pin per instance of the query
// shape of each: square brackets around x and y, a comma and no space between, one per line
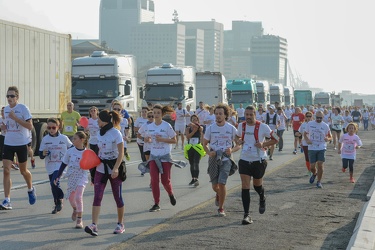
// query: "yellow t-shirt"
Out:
[70,121]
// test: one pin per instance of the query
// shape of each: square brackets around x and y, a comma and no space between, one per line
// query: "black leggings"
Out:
[348,162]
[194,158]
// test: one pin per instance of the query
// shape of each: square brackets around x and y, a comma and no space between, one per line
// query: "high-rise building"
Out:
[213,43]
[155,44]
[237,45]
[118,17]
[194,49]
[269,58]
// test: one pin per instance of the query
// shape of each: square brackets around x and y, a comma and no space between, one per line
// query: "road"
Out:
[297,213]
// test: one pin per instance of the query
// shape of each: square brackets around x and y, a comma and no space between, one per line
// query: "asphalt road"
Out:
[298,215]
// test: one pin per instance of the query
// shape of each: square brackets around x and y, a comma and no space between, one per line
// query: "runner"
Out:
[304,145]
[18,123]
[348,144]
[336,120]
[297,119]
[317,134]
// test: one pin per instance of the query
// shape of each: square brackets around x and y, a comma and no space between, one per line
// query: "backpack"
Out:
[256,130]
[273,120]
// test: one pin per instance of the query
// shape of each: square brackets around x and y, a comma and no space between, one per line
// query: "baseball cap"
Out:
[272,107]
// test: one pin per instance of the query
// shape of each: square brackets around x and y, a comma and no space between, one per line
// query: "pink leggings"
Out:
[165,179]
[75,198]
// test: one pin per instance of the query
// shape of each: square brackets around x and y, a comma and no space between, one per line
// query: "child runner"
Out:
[348,144]
[53,148]
[77,177]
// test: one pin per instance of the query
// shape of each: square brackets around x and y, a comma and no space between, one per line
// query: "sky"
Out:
[331,43]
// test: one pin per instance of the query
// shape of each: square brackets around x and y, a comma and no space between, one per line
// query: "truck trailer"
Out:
[38,62]
[211,88]
[303,97]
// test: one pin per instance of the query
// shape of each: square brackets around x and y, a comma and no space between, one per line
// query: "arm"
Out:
[205,147]
[61,170]
[26,124]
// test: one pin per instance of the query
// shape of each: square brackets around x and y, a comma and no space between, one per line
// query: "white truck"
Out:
[263,92]
[38,62]
[211,88]
[289,95]
[100,78]
[277,94]
[169,85]
[323,98]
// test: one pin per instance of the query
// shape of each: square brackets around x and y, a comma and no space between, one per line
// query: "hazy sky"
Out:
[331,43]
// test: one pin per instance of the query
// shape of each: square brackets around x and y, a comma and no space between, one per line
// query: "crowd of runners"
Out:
[211,133]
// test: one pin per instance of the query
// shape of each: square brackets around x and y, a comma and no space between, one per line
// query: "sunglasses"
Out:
[151,116]
[117,109]
[308,116]
[318,117]
[11,96]
[51,127]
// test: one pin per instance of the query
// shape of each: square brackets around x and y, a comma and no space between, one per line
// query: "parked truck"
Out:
[303,97]
[241,91]
[358,103]
[277,94]
[169,85]
[263,91]
[38,62]
[211,88]
[323,98]
[289,95]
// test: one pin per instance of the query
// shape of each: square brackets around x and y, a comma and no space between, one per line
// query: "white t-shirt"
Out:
[271,125]
[180,116]
[164,130]
[123,125]
[302,129]
[187,118]
[210,119]
[76,175]
[57,147]
[144,132]
[138,124]
[288,113]
[240,112]
[336,121]
[220,137]
[1,123]
[348,150]
[249,152]
[93,128]
[347,119]
[316,132]
[261,117]
[108,147]
[282,122]
[201,113]
[16,135]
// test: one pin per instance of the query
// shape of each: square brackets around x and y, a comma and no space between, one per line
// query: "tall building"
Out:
[155,44]
[213,43]
[269,58]
[237,45]
[194,49]
[118,17]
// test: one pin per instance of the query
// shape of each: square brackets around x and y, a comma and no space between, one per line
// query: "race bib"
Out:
[194,140]
[69,128]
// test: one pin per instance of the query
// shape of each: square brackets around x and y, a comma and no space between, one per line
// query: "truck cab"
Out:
[242,91]
[323,98]
[289,95]
[263,91]
[169,85]
[99,79]
[277,94]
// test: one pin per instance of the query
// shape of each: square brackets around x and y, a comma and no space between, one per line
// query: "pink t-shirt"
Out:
[348,145]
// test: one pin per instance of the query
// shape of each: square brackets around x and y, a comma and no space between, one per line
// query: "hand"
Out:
[114,174]
[45,152]
[259,145]
[308,141]
[12,115]
[212,154]
[56,180]
[326,139]
[339,151]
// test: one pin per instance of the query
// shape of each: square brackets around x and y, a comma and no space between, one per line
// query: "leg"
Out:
[116,185]
[154,174]
[99,188]
[166,177]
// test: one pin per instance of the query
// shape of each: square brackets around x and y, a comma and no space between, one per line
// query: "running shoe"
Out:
[295,151]
[6,205]
[119,229]
[262,206]
[74,215]
[32,196]
[155,208]
[54,211]
[92,229]
[127,156]
[247,220]
[59,205]
[15,166]
[352,180]
[319,185]
[343,170]
[271,158]
[196,183]
[301,150]
[217,200]
[79,223]
[221,212]
[192,182]
[334,148]
[172,199]
[312,179]
[32,163]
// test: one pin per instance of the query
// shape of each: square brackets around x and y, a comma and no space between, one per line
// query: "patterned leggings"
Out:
[75,198]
